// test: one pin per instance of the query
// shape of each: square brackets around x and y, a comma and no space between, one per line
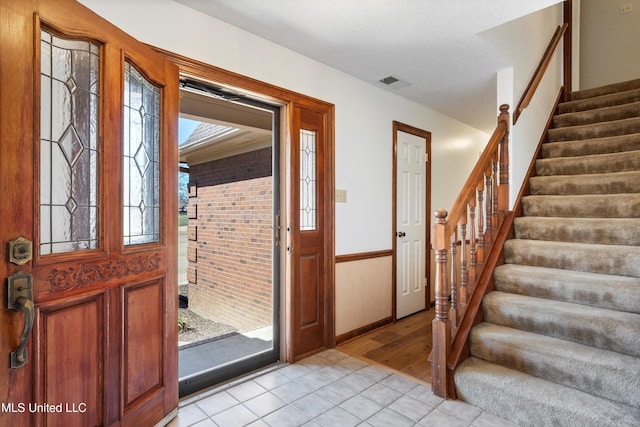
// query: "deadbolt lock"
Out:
[20,251]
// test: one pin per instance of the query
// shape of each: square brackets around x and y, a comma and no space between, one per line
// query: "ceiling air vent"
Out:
[389,80]
[392,82]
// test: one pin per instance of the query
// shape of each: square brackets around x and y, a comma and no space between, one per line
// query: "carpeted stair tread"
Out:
[608,100]
[598,327]
[587,205]
[595,130]
[604,183]
[600,372]
[533,402]
[605,231]
[597,290]
[604,90]
[612,144]
[618,260]
[589,164]
[598,115]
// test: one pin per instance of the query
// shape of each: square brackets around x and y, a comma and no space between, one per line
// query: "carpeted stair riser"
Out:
[533,402]
[600,372]
[605,329]
[597,290]
[586,206]
[613,144]
[606,183]
[608,100]
[603,259]
[610,231]
[597,130]
[573,185]
[590,164]
[605,90]
[597,115]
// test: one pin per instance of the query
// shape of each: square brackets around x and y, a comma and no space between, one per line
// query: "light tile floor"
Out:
[329,389]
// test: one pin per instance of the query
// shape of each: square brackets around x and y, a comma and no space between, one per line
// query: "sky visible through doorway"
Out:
[185,129]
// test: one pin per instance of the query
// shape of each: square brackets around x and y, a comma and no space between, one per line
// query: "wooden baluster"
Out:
[494,192]
[488,197]
[473,260]
[441,325]
[503,185]
[464,273]
[453,310]
[480,216]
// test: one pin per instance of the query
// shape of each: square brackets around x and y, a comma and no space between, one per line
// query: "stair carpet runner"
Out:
[560,341]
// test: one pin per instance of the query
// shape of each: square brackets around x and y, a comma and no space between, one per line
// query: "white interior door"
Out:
[410,223]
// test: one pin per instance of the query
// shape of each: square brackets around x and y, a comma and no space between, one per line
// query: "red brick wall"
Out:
[230,251]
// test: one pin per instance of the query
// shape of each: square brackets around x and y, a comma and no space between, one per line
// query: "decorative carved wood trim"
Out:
[87,274]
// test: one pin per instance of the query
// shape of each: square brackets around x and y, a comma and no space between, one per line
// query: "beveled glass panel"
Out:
[307,180]
[141,159]
[69,156]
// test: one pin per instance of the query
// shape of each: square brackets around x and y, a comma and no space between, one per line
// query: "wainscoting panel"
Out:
[363,292]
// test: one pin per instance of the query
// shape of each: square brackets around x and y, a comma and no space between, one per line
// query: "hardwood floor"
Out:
[403,346]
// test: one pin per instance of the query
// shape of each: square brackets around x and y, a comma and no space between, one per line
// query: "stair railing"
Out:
[471,224]
[479,222]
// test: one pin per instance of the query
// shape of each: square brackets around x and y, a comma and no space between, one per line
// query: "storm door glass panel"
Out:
[307,180]
[69,149]
[141,159]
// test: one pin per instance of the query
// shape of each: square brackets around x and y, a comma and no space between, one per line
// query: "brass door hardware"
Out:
[20,251]
[20,298]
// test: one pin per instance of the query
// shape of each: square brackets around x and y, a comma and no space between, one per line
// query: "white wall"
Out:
[522,43]
[610,42]
[364,113]
[610,45]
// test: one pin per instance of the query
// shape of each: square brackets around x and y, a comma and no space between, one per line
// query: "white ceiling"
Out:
[430,44]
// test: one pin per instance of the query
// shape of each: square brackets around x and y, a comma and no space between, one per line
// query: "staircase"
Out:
[560,341]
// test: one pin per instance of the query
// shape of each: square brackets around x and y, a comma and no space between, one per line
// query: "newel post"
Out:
[441,325]
[503,183]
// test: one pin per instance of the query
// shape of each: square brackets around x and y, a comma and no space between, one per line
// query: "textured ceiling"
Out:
[430,44]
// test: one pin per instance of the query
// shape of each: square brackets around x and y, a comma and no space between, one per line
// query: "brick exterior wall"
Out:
[230,240]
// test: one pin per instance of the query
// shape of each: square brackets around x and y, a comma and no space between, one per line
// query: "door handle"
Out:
[401,234]
[20,298]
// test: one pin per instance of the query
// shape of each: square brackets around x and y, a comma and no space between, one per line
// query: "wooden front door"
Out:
[88,167]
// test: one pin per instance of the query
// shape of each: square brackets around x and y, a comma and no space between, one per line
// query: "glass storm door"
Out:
[88,127]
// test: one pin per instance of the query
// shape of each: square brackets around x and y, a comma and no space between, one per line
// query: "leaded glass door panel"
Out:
[88,173]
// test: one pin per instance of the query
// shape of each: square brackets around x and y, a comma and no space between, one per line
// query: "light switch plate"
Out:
[341,196]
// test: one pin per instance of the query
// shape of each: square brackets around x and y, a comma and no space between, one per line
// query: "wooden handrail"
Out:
[540,71]
[460,205]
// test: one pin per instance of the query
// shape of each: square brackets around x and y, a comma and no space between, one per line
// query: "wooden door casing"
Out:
[292,102]
[104,342]
[401,127]
[411,218]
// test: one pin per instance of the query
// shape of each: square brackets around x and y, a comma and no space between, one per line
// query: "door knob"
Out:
[20,298]
[401,234]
